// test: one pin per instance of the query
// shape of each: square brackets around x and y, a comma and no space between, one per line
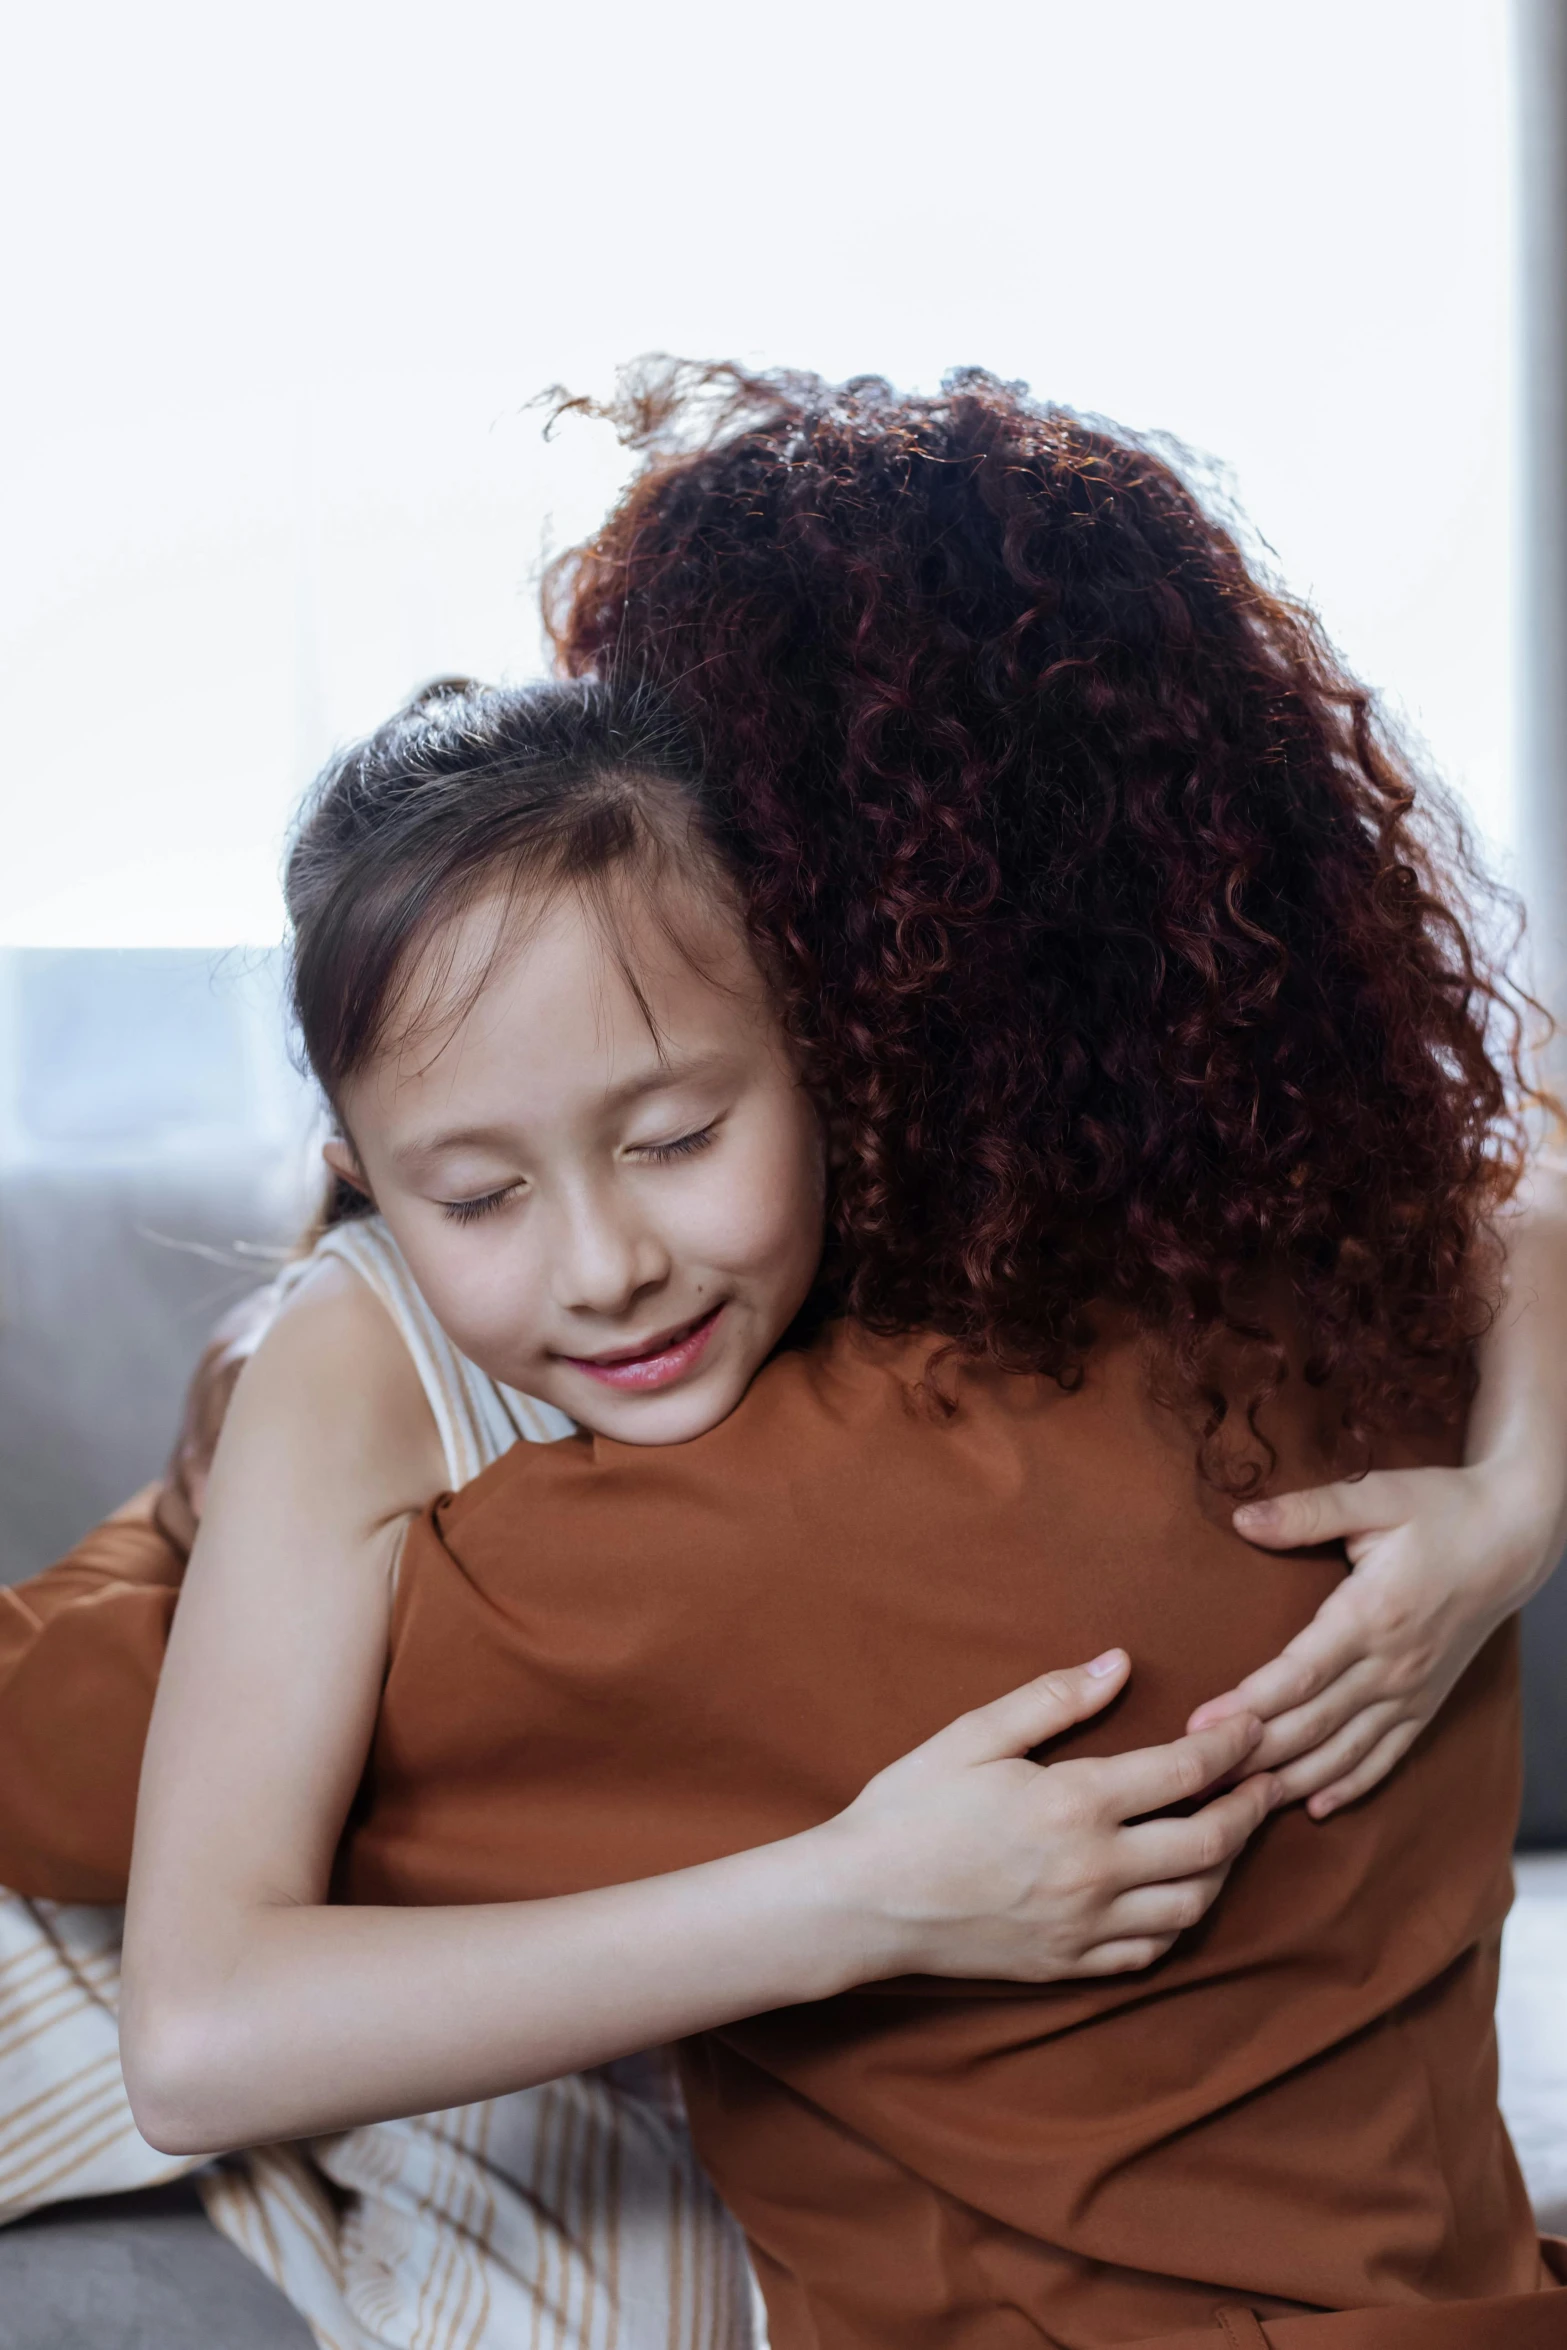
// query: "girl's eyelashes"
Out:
[682,1146]
[468,1211]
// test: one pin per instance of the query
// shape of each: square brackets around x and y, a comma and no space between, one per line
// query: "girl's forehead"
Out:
[559,993]
[614,940]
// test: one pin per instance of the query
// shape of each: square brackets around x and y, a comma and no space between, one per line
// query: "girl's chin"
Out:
[670,1415]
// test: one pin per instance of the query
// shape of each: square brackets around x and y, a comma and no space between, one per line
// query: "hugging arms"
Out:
[609,1191]
[337,1348]
[334,1449]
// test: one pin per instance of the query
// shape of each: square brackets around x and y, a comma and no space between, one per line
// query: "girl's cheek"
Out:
[760,1211]
[479,1284]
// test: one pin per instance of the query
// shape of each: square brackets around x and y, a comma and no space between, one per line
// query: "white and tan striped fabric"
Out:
[569,2217]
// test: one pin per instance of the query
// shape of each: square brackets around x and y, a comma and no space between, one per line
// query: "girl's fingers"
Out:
[1153,1777]
[1325,1513]
[1027,1717]
[1338,1755]
[1163,1909]
[1391,1748]
[1332,1642]
[1163,1851]
[1123,1958]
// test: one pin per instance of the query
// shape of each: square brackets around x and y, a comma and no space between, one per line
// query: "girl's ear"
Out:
[341,1157]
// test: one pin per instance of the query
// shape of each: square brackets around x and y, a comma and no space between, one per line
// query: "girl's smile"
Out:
[659,1363]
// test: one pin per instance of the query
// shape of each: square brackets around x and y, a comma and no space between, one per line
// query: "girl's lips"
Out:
[668,1360]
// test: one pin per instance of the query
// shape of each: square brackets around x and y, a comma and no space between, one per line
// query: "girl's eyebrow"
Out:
[662,1075]
[659,1078]
[425,1147]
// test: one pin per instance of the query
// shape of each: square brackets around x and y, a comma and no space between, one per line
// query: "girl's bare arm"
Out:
[253,2010]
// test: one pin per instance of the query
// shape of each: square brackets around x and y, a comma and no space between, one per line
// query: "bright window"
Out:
[290,275]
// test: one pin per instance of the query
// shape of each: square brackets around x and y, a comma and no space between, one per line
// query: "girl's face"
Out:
[617,1210]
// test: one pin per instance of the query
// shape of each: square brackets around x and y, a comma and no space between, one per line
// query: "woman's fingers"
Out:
[1027,1717]
[1336,1635]
[1338,1755]
[1325,1513]
[1313,1660]
[1390,1748]
[1164,1851]
[1153,1777]
[1299,1732]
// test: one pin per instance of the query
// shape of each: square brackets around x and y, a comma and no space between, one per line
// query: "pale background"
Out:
[282,282]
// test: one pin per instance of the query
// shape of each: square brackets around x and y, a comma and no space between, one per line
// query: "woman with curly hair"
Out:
[1025,1086]
[1137,963]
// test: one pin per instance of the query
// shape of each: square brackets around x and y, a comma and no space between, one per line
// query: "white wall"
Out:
[288,276]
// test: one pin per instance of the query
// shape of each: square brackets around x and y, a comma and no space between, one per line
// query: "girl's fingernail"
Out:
[1103,1666]
[1258,1515]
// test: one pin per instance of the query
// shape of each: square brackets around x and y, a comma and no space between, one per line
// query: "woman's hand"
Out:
[977,1861]
[1440,1557]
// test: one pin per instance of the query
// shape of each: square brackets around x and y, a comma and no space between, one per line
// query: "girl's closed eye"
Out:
[683,1145]
[468,1211]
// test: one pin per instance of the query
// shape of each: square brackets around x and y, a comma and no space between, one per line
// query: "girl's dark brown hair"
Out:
[468,788]
[1127,962]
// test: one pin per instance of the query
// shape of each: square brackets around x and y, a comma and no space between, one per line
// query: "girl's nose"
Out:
[605,1262]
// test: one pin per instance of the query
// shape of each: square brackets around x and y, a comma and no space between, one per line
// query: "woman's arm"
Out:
[1440,1556]
[253,2010]
[80,1649]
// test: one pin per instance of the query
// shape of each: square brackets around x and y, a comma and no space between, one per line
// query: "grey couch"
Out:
[137,2272]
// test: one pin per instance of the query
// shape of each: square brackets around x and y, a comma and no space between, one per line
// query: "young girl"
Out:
[641,1317]
[1131,948]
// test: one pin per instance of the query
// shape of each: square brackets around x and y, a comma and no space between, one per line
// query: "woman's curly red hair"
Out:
[1119,953]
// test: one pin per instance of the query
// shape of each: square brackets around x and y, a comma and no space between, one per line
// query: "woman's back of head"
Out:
[1121,954]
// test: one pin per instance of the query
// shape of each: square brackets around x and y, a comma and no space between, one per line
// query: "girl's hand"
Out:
[1440,1557]
[974,1860]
